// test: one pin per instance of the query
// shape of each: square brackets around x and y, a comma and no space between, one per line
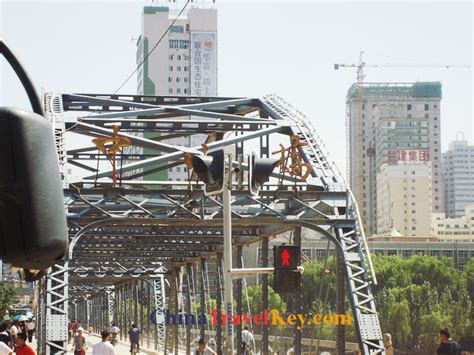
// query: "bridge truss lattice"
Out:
[147,230]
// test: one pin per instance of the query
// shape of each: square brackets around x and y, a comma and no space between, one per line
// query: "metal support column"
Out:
[298,296]
[176,308]
[238,298]
[159,299]
[88,312]
[141,298]
[226,199]
[149,308]
[135,301]
[202,326]
[126,306]
[265,344]
[57,308]
[219,304]
[188,307]
[120,311]
[340,309]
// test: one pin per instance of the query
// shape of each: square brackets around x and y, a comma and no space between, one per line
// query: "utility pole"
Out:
[226,199]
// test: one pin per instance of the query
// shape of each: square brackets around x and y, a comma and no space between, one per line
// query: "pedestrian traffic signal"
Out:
[260,170]
[33,229]
[286,281]
[210,169]
[286,276]
[286,257]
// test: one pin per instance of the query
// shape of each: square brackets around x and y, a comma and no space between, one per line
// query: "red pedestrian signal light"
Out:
[286,257]
[286,277]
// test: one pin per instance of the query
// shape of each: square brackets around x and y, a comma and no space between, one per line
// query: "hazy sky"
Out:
[284,47]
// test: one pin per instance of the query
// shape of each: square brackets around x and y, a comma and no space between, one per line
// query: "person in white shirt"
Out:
[13,334]
[247,341]
[114,331]
[31,329]
[4,349]
[203,349]
[104,347]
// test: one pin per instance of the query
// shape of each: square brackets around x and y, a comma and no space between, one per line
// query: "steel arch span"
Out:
[126,222]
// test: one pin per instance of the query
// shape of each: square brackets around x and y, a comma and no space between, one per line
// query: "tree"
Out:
[430,324]
[399,320]
[6,299]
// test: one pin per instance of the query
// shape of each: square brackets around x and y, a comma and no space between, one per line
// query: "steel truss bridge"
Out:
[129,244]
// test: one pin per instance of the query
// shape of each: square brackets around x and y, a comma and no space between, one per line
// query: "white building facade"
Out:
[404,198]
[458,174]
[458,228]
[184,63]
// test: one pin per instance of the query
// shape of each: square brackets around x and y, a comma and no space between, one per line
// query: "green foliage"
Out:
[6,299]
[415,297]
[255,300]
[399,319]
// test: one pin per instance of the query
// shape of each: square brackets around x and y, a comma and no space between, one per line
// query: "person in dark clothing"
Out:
[447,346]
[134,334]
[4,336]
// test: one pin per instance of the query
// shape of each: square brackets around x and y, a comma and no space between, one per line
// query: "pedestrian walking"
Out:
[21,347]
[104,347]
[4,335]
[447,345]
[31,329]
[79,343]
[203,349]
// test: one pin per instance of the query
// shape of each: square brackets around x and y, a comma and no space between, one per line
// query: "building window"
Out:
[178,169]
[178,91]
[178,80]
[170,80]
[174,43]
[177,29]
[320,253]
[170,57]
[185,79]
[178,68]
[408,107]
[170,90]
[184,44]
[306,252]
[186,91]
[427,115]
[186,68]
[187,27]
[179,57]
[427,107]
[171,68]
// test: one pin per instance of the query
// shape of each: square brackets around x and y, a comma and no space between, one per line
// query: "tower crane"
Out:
[360,95]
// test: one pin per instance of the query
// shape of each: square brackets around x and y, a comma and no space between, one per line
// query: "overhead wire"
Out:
[154,47]
[138,66]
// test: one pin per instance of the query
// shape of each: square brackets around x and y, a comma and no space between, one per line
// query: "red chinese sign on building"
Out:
[407,155]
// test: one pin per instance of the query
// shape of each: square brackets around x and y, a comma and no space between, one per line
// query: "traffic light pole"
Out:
[226,197]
